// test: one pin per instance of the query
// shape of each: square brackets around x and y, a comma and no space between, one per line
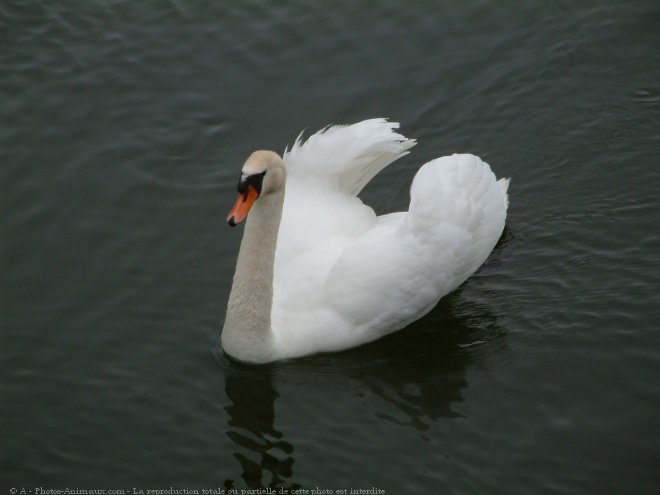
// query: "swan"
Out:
[318,271]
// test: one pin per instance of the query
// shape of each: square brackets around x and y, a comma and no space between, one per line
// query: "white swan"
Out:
[318,271]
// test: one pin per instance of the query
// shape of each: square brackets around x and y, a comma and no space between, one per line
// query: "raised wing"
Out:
[347,157]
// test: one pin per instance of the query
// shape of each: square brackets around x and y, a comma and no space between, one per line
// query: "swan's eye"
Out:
[254,180]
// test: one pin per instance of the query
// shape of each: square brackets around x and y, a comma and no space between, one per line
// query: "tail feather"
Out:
[504,184]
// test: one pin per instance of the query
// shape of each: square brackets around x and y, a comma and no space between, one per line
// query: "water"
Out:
[123,127]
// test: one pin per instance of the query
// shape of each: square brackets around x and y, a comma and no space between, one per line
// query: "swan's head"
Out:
[262,174]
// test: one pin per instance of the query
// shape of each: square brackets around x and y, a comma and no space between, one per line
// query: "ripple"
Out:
[126,125]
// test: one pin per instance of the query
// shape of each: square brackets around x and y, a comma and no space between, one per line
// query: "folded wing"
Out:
[398,270]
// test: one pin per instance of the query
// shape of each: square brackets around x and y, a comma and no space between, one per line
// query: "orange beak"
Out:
[242,206]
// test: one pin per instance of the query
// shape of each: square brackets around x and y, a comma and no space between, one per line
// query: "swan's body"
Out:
[331,274]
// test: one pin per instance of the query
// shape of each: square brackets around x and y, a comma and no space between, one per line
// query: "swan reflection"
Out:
[264,456]
[414,378]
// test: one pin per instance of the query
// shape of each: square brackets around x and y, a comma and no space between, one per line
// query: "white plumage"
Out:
[343,276]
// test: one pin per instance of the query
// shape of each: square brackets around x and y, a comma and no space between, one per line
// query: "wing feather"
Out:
[347,157]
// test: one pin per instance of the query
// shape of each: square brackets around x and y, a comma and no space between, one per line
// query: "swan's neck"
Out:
[247,333]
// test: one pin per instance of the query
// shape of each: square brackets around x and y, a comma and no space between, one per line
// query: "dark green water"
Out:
[123,127]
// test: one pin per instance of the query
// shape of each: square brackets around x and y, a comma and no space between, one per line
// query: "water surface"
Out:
[123,127]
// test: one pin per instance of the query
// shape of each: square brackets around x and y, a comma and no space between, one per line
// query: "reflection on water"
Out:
[260,447]
[420,372]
